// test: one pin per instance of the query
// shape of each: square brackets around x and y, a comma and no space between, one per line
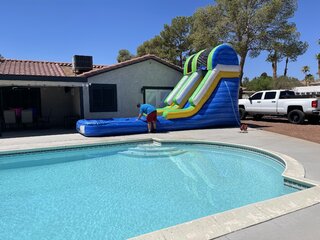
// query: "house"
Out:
[65,92]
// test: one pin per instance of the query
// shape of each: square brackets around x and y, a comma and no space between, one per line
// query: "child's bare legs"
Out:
[154,126]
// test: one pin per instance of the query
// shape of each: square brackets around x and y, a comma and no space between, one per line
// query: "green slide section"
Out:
[195,92]
[195,61]
[203,82]
[187,70]
[179,96]
[187,89]
[169,99]
[210,58]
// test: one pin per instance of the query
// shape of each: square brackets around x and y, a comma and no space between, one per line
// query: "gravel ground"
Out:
[306,131]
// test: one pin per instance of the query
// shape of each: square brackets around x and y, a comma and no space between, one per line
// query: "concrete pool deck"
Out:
[299,224]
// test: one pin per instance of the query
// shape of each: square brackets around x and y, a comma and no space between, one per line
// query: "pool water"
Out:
[121,191]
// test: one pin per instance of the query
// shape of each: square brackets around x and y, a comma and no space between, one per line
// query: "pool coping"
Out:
[220,224]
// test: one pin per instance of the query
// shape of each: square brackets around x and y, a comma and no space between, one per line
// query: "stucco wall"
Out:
[130,80]
[57,104]
[75,93]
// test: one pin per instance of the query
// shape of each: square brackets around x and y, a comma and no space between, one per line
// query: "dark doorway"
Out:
[20,97]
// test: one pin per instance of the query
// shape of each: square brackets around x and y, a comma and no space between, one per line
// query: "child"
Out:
[244,128]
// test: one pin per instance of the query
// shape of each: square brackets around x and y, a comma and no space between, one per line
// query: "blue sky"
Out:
[58,29]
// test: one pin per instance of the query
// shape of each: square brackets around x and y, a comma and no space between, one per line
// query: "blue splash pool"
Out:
[121,191]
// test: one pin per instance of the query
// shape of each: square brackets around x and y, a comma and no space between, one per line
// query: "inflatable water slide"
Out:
[205,97]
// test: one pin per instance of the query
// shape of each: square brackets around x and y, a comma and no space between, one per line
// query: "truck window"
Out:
[256,96]
[270,95]
[286,94]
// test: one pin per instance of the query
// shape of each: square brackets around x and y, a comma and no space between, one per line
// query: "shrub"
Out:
[260,83]
[284,82]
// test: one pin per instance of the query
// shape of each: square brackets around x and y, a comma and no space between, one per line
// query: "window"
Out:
[103,97]
[156,95]
[286,94]
[256,96]
[270,95]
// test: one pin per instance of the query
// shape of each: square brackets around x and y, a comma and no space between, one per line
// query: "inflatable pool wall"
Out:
[212,99]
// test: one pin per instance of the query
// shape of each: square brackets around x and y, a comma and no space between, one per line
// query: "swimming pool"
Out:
[121,191]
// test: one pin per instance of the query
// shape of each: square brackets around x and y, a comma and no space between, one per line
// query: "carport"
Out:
[40,101]
[42,94]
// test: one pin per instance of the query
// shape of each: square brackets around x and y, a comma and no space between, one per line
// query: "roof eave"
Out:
[42,78]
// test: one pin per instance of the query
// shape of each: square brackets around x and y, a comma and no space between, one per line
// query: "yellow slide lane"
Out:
[190,111]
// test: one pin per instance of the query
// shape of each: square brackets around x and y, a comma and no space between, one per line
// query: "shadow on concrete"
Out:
[256,126]
[35,132]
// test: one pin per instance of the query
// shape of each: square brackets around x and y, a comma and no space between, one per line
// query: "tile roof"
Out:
[58,69]
[130,62]
[38,68]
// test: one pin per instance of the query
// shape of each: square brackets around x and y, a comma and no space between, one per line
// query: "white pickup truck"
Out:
[281,103]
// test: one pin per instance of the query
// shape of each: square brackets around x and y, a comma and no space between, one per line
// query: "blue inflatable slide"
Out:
[205,97]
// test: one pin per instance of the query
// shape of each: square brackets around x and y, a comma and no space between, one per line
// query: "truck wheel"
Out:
[242,113]
[296,116]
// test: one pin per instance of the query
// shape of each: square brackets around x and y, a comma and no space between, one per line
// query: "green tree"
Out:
[261,83]
[282,44]
[318,59]
[204,33]
[292,50]
[247,24]
[173,43]
[274,57]
[245,81]
[124,55]
[308,77]
[305,70]
[153,46]
[177,38]
[284,82]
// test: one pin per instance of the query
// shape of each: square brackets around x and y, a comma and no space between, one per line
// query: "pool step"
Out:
[150,145]
[154,149]
[150,150]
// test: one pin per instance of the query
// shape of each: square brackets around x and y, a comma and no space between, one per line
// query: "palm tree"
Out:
[306,70]
[318,58]
[309,79]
